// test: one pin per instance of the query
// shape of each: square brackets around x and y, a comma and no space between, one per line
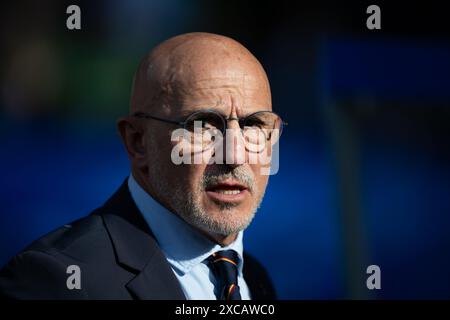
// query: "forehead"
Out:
[225,90]
[211,73]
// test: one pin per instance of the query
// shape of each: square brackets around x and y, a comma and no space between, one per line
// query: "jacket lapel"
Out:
[137,250]
[258,281]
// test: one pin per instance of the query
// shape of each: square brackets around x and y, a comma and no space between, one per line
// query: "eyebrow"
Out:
[187,113]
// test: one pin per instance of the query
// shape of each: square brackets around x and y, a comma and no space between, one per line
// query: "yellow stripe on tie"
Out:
[230,291]
[225,259]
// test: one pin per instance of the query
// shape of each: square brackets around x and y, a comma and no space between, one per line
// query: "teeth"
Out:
[229,191]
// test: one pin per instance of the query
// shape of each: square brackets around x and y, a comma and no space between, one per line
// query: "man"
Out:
[172,231]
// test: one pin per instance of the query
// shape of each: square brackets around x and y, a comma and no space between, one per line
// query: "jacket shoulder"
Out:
[40,270]
[75,239]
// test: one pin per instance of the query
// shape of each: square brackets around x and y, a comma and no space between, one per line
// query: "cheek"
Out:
[194,174]
[260,179]
[187,177]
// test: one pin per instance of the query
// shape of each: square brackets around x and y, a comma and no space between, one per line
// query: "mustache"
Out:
[239,174]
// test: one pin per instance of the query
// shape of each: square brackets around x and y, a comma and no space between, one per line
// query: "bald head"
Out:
[186,66]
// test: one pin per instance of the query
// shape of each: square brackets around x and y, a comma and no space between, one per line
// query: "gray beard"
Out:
[189,207]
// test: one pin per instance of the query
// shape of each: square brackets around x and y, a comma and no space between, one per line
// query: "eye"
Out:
[263,120]
[204,120]
[210,121]
[255,122]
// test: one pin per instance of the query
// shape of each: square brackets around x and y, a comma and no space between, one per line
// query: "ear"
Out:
[133,138]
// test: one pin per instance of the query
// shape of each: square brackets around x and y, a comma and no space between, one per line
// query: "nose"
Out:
[234,148]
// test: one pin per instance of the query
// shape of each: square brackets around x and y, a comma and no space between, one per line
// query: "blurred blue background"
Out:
[364,166]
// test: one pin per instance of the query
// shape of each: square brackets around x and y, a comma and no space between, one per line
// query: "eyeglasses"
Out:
[255,127]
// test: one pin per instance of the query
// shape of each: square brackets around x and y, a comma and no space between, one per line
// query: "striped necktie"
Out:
[224,266]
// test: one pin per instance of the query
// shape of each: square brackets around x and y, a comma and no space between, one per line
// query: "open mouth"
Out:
[227,191]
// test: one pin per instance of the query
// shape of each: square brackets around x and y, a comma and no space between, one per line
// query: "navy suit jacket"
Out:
[118,256]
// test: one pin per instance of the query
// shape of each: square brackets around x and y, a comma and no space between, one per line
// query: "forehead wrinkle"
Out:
[218,90]
[189,111]
[238,84]
[227,97]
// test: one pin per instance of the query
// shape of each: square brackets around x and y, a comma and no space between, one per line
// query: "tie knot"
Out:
[225,257]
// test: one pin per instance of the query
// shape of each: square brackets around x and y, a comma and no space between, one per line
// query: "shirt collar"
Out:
[183,246]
